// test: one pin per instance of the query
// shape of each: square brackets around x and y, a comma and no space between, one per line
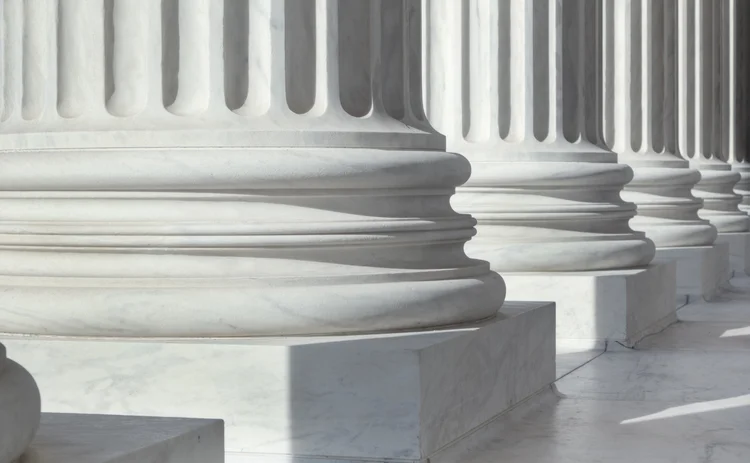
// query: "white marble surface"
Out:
[397,396]
[682,397]
[701,270]
[588,431]
[569,359]
[674,376]
[739,251]
[617,305]
[78,438]
[693,335]
[731,308]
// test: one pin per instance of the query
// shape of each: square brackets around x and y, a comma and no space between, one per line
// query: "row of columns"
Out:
[545,85]
[196,168]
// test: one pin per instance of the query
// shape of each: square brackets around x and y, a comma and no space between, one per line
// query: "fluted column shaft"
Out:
[734,86]
[639,121]
[512,84]
[208,168]
[699,120]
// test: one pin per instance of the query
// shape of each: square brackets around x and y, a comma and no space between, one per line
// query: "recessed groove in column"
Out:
[737,61]
[355,89]
[236,58]
[545,76]
[592,96]
[129,68]
[573,71]
[716,108]
[170,51]
[36,52]
[194,70]
[464,67]
[300,54]
[670,71]
[392,58]
[638,78]
[704,116]
[109,45]
[377,42]
[657,63]
[507,32]
[412,45]
[609,95]
[692,101]
[703,51]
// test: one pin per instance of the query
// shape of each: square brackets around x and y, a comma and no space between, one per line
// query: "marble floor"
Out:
[681,396]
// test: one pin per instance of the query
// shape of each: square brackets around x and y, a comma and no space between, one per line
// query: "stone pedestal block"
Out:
[380,397]
[739,251]
[701,270]
[72,438]
[619,306]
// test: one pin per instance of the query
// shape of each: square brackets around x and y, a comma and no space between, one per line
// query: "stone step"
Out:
[78,438]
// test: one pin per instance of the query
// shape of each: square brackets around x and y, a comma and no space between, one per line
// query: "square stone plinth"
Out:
[739,251]
[72,438]
[614,306]
[701,270]
[395,397]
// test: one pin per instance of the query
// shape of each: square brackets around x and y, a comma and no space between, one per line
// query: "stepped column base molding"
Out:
[720,202]
[742,187]
[287,197]
[721,208]
[668,212]
[541,214]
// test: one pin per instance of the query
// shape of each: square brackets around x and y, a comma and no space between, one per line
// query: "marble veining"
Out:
[78,438]
[311,396]
[681,396]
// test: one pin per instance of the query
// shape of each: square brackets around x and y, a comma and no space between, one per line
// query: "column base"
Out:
[69,438]
[397,397]
[701,270]
[619,306]
[739,251]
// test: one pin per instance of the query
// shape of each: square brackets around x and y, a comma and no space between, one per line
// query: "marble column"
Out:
[259,167]
[20,409]
[513,85]
[545,197]
[698,25]
[734,87]
[238,210]
[639,121]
